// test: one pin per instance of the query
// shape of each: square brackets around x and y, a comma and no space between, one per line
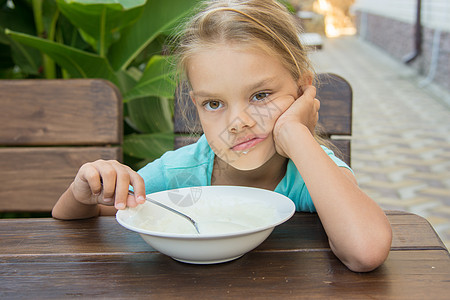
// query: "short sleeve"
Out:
[293,186]
[339,162]
[153,175]
[187,166]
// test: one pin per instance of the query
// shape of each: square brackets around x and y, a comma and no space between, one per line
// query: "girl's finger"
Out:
[91,176]
[122,185]
[131,201]
[317,104]
[108,177]
[309,91]
[138,187]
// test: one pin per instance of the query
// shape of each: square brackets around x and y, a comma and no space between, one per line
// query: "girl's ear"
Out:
[303,82]
[306,79]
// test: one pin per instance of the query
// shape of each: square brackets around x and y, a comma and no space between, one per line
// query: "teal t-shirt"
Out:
[192,165]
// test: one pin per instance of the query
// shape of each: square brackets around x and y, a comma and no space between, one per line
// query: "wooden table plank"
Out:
[303,232]
[50,236]
[411,231]
[421,274]
[47,258]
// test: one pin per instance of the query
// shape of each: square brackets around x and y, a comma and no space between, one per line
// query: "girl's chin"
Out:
[250,161]
[246,167]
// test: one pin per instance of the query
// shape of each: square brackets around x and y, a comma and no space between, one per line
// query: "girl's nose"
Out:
[241,119]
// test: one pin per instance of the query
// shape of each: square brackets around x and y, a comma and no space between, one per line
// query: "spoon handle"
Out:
[170,209]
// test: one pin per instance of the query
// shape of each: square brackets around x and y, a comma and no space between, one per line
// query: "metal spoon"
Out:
[170,209]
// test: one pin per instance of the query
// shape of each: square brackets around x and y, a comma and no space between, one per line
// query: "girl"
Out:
[250,81]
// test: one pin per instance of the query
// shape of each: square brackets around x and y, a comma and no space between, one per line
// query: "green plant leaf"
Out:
[50,15]
[157,80]
[126,4]
[288,5]
[69,35]
[150,114]
[27,58]
[148,146]
[154,48]
[78,63]
[99,22]
[157,17]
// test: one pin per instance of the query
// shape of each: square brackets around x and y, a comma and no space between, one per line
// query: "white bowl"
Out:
[232,220]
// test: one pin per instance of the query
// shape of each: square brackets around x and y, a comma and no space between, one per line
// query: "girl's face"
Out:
[239,94]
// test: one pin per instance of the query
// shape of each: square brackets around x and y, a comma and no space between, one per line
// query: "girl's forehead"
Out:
[210,51]
[218,59]
[233,69]
[232,46]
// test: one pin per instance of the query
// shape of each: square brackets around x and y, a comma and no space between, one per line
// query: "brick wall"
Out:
[397,38]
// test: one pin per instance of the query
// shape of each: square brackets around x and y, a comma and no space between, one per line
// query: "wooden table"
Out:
[46,258]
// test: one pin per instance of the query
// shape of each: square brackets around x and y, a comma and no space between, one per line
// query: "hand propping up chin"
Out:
[303,111]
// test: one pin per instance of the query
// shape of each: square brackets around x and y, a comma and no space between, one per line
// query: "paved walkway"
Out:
[401,140]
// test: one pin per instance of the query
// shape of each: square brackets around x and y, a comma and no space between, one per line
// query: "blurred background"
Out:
[396,56]
[416,32]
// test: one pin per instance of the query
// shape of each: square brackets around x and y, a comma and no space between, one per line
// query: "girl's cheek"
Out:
[268,113]
[261,114]
[280,105]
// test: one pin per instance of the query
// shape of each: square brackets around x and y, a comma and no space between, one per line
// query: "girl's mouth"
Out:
[247,143]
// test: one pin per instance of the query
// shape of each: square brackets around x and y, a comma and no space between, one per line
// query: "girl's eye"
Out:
[212,105]
[259,97]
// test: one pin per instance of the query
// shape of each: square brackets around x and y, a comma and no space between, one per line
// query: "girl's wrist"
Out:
[288,135]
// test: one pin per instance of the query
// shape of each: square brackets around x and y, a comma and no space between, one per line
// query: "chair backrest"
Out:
[335,115]
[49,129]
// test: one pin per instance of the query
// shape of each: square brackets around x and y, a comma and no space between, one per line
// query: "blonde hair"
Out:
[264,24]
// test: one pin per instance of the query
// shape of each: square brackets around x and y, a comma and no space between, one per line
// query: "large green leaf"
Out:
[126,79]
[157,80]
[148,146]
[158,16]
[150,114]
[126,4]
[27,58]
[78,63]
[50,14]
[69,35]
[100,21]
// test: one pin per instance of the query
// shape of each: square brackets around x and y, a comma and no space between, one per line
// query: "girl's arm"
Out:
[357,228]
[100,182]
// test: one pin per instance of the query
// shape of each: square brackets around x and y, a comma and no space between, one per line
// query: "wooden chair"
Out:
[49,129]
[335,115]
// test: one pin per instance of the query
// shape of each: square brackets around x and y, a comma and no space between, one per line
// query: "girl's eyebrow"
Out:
[201,93]
[250,87]
[262,83]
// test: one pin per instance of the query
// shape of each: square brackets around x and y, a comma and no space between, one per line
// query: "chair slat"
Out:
[49,129]
[33,178]
[344,149]
[60,112]
[335,95]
